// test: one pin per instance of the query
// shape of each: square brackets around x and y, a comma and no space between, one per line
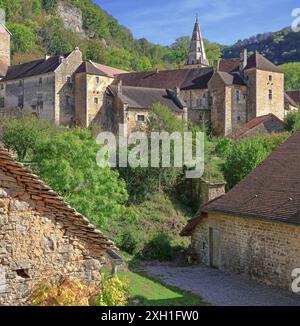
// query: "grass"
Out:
[145,291]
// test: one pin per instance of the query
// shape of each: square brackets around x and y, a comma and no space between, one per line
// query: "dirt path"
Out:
[220,289]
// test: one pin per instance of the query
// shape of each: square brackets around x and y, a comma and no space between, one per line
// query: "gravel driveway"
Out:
[220,289]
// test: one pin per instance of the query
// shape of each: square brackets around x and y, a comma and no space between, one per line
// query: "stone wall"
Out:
[265,251]
[34,247]
[4,46]
[64,90]
[239,106]
[259,86]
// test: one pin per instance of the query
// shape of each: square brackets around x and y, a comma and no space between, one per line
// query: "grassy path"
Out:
[145,291]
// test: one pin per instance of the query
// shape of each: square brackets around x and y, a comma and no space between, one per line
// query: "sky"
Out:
[222,21]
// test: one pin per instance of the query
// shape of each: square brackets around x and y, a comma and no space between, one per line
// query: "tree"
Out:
[96,52]
[292,121]
[292,75]
[24,38]
[67,162]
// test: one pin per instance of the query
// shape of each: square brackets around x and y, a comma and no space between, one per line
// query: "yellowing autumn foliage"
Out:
[67,293]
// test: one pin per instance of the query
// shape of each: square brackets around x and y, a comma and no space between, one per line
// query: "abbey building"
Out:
[68,91]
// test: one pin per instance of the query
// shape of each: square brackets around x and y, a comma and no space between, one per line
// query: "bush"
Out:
[158,248]
[128,242]
[224,147]
[292,121]
[67,293]
[114,293]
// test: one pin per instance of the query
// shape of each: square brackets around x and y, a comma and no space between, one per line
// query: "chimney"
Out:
[244,59]
[177,91]
[47,56]
[216,65]
[119,89]
[61,58]
[211,190]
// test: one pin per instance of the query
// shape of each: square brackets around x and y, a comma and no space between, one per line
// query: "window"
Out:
[1,102]
[141,118]
[20,83]
[97,80]
[40,103]
[69,79]
[40,81]
[237,95]
[270,94]
[20,101]
[270,78]
[1,86]
[199,102]
[96,100]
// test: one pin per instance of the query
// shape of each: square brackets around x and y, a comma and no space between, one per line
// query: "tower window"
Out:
[96,100]
[270,94]
[68,79]
[270,78]
[237,95]
[97,80]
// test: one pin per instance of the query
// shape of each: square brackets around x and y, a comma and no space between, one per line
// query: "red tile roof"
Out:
[254,123]
[270,192]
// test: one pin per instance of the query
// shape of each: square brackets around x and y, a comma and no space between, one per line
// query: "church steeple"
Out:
[197,54]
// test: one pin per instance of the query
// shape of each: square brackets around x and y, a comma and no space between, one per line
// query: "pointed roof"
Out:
[88,68]
[258,61]
[197,54]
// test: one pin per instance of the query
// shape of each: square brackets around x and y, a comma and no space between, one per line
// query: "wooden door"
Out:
[214,249]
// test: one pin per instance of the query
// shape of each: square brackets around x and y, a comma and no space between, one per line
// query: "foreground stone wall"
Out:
[35,247]
[265,251]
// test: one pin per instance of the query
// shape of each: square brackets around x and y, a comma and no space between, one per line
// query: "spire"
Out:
[197,54]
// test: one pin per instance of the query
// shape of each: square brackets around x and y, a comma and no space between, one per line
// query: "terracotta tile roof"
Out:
[270,192]
[258,61]
[54,205]
[143,98]
[230,65]
[295,96]
[108,71]
[255,123]
[34,68]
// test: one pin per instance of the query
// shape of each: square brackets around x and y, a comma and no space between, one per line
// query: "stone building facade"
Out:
[254,229]
[42,239]
[68,91]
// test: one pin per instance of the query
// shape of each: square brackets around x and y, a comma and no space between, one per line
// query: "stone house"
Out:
[292,100]
[130,106]
[265,124]
[254,229]
[41,237]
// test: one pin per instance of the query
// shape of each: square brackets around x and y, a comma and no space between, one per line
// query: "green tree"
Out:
[96,52]
[292,75]
[292,121]
[24,38]
[67,162]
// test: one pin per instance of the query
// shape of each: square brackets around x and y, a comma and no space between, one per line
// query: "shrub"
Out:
[114,293]
[128,242]
[158,248]
[224,147]
[292,121]
[67,293]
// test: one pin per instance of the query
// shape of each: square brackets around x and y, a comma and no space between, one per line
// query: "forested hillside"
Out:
[38,27]
[279,47]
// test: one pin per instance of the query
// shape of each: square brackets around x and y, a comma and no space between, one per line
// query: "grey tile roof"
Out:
[258,61]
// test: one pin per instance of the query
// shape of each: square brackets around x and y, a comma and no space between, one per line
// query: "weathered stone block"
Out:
[18,206]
